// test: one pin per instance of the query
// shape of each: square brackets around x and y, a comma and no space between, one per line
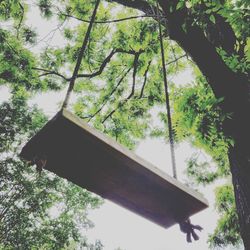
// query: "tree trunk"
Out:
[240,169]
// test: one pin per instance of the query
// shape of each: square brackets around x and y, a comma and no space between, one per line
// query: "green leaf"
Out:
[180,5]
[212,19]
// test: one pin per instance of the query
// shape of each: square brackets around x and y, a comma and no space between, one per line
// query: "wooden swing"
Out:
[72,149]
[77,152]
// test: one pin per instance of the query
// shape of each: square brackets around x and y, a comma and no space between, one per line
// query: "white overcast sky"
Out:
[114,225]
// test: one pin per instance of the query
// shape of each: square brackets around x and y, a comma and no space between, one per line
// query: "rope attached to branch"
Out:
[80,56]
[185,225]
[170,128]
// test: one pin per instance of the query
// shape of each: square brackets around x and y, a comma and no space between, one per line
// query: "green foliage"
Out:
[16,119]
[236,63]
[45,8]
[11,9]
[29,35]
[16,63]
[198,117]
[201,172]
[227,230]
[36,211]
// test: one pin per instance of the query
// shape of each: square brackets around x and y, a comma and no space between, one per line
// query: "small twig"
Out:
[51,72]
[48,34]
[173,52]
[145,79]
[134,74]
[111,93]
[135,65]
[109,21]
[21,19]
[109,115]
[54,32]
[176,59]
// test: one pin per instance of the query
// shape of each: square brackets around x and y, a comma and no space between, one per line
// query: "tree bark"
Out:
[239,164]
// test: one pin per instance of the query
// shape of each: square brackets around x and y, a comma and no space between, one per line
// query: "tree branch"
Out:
[21,19]
[176,59]
[145,79]
[140,5]
[103,65]
[107,60]
[136,59]
[88,75]
[108,21]
[135,65]
[148,9]
[51,72]
[111,93]
[133,84]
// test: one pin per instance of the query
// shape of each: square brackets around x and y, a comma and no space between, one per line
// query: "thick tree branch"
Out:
[103,65]
[141,5]
[107,60]
[148,9]
[220,77]
[47,72]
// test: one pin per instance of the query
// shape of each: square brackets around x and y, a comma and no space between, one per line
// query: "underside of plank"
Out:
[75,151]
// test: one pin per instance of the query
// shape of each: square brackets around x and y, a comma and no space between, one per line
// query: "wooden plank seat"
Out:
[84,156]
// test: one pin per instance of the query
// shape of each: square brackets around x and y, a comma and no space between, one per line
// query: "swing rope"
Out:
[80,56]
[185,225]
[170,128]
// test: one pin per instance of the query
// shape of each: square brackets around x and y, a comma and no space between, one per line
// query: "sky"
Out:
[114,225]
